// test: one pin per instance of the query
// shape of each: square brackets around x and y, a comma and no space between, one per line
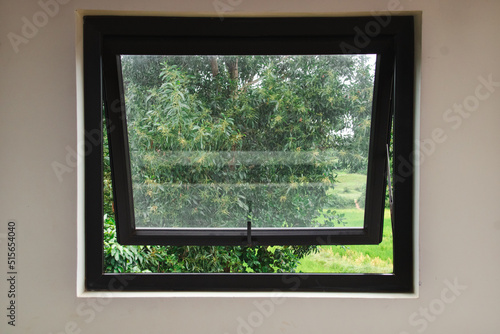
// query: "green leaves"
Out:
[194,121]
[197,259]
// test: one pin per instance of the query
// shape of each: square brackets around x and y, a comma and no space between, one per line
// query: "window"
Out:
[246,153]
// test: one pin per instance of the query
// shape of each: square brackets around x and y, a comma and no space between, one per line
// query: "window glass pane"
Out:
[216,141]
[240,259]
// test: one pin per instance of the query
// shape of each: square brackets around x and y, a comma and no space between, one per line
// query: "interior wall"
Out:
[459,224]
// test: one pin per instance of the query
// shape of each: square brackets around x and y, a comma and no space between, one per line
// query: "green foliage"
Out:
[273,104]
[119,258]
[198,259]
[362,198]
[339,202]
[353,155]
[353,258]
[107,186]
[190,122]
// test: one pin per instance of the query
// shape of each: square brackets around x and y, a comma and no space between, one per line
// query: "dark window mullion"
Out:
[116,121]
[375,188]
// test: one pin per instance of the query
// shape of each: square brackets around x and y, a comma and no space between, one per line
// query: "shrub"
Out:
[198,259]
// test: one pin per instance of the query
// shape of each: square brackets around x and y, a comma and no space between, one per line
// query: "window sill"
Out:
[276,296]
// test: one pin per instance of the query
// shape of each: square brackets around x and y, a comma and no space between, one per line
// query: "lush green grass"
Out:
[349,185]
[352,217]
[348,217]
[353,259]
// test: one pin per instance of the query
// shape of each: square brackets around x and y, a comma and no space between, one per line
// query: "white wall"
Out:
[459,184]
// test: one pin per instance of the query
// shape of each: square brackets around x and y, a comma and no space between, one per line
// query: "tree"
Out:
[216,140]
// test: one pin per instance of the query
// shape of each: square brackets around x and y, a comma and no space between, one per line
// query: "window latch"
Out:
[249,225]
[249,234]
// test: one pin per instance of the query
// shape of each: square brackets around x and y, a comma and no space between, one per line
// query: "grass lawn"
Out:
[350,217]
[349,185]
[356,258]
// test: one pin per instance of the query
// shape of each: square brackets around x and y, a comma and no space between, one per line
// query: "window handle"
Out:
[249,225]
[249,234]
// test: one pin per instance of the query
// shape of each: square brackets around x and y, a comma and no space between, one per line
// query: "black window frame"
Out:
[105,37]
[228,38]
